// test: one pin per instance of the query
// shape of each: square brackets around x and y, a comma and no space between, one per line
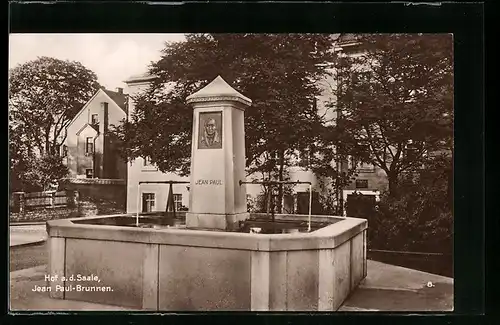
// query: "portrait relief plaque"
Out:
[210,130]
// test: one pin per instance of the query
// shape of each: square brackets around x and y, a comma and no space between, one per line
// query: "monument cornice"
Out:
[218,91]
[221,98]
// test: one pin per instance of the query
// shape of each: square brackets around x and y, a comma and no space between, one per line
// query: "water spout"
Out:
[310,207]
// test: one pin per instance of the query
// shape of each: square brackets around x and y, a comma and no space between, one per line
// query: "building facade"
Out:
[150,197]
[89,150]
[369,179]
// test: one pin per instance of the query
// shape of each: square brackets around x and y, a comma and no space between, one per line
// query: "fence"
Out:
[22,202]
[96,190]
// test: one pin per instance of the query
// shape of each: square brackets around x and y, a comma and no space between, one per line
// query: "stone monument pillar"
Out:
[216,199]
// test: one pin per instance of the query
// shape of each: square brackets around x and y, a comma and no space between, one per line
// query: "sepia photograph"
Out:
[329,186]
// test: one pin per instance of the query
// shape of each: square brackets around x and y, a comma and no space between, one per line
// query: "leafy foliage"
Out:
[269,197]
[44,95]
[397,90]
[421,217]
[34,174]
[330,195]
[278,72]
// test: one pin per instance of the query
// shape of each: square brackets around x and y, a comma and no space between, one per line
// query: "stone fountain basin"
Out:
[172,269]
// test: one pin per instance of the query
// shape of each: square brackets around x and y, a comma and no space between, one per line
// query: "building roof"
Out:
[92,181]
[348,43]
[119,98]
[347,38]
[88,125]
[140,78]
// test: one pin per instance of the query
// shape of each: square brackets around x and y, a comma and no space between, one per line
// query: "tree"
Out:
[421,217]
[41,172]
[30,172]
[279,74]
[395,101]
[271,194]
[19,153]
[44,95]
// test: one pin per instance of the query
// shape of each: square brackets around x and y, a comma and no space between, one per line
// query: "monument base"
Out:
[228,222]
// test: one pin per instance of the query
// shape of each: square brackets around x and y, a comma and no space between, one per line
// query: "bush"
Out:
[36,174]
[257,204]
[419,218]
[328,202]
[102,206]
[410,224]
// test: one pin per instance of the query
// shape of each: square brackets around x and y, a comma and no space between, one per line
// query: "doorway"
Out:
[360,205]
[303,203]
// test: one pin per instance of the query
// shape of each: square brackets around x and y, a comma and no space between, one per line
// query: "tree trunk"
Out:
[279,205]
[393,184]
[47,141]
[55,148]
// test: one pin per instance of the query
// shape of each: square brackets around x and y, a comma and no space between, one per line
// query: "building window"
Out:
[148,202]
[89,173]
[302,202]
[361,183]
[288,204]
[147,162]
[94,119]
[412,150]
[178,202]
[147,165]
[64,151]
[411,153]
[89,145]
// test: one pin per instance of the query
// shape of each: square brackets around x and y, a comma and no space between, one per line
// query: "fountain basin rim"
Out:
[324,238]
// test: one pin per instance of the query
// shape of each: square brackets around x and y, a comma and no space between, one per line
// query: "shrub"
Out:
[37,173]
[420,218]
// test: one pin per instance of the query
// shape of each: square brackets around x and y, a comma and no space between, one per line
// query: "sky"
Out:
[113,57]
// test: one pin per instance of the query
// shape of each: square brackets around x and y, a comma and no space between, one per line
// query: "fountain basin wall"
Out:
[185,270]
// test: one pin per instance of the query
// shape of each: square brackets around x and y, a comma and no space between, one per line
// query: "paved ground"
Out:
[28,256]
[393,288]
[27,234]
[386,288]
[27,246]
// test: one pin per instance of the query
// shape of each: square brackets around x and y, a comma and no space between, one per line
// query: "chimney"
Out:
[119,90]
[103,129]
[104,108]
